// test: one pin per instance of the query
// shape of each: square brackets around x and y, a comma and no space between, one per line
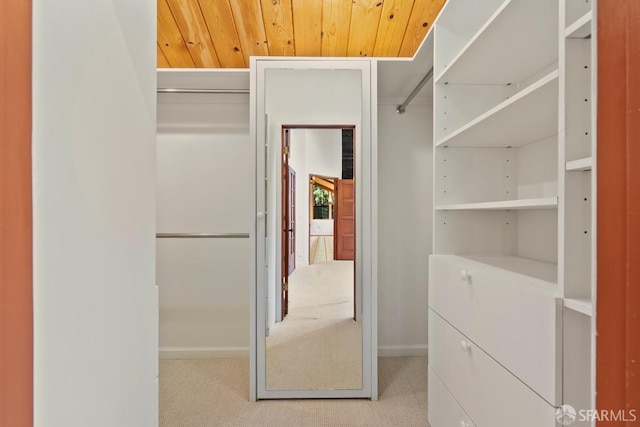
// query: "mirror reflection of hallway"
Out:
[317,345]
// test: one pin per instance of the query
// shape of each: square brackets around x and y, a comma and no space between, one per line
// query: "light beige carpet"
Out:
[318,346]
[215,392]
[321,249]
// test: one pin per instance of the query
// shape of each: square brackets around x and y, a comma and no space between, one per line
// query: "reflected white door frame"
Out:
[366,211]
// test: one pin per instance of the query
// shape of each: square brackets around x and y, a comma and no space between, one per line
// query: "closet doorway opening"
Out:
[324,153]
[322,191]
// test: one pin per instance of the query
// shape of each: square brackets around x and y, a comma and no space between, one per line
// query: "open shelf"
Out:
[541,203]
[581,28]
[583,306]
[580,164]
[503,50]
[528,116]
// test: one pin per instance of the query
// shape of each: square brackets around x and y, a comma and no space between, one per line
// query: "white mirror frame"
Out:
[366,224]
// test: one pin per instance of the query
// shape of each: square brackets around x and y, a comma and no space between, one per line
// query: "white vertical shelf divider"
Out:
[577,118]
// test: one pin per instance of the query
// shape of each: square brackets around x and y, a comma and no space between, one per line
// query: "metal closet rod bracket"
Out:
[400,109]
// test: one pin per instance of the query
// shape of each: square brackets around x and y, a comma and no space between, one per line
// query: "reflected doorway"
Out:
[321,218]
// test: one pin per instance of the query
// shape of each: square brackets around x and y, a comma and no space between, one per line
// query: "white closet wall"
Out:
[204,158]
[205,185]
[405,203]
[404,233]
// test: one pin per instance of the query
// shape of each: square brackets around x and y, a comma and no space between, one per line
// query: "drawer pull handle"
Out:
[465,275]
[465,346]
[464,424]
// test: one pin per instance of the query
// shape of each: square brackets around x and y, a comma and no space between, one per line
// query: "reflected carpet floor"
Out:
[321,249]
[214,392]
[318,346]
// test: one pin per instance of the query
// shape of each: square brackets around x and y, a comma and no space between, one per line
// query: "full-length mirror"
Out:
[314,301]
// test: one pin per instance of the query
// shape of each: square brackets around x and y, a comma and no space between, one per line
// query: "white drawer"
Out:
[444,411]
[517,325]
[488,393]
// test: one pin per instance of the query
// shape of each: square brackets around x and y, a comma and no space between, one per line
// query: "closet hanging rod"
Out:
[202,235]
[400,109]
[224,91]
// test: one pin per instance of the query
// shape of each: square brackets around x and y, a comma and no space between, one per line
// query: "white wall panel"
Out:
[204,182]
[204,303]
[95,299]
[205,185]
[405,180]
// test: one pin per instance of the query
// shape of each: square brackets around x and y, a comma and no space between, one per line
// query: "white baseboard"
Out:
[402,350]
[203,352]
[237,352]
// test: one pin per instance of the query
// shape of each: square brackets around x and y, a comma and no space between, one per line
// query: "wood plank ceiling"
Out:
[225,33]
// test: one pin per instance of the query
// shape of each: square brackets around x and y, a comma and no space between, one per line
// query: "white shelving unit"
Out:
[505,37]
[580,164]
[584,306]
[581,28]
[506,205]
[532,112]
[514,173]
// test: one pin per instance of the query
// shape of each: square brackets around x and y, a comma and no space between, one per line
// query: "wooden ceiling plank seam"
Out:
[293,29]
[422,17]
[278,22]
[365,20]
[247,15]
[170,38]
[223,32]
[393,26]
[336,22]
[307,18]
[195,33]
[161,61]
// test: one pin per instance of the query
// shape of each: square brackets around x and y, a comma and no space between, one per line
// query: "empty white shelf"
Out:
[503,50]
[580,164]
[581,28]
[528,116]
[583,306]
[541,203]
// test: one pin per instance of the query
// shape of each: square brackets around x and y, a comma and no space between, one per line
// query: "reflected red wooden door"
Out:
[344,221]
[292,220]
[344,227]
[285,225]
